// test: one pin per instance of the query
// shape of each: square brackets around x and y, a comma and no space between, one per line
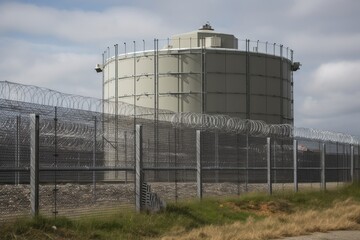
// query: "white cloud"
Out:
[333,90]
[342,77]
[322,46]
[80,26]
[321,8]
[47,66]
[306,7]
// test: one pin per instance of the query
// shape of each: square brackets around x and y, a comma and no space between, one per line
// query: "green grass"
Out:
[179,217]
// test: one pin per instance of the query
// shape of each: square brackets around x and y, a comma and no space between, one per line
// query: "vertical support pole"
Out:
[34,164]
[198,164]
[352,163]
[138,168]
[282,117]
[125,153]
[169,155]
[175,162]
[247,79]
[116,107]
[94,159]
[156,106]
[134,95]
[238,162]
[125,49]
[55,190]
[155,100]
[17,149]
[216,157]
[203,76]
[356,165]
[268,159]
[273,153]
[103,97]
[247,163]
[295,151]
[322,163]
[337,162]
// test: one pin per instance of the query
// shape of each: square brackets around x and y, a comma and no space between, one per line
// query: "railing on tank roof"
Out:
[146,47]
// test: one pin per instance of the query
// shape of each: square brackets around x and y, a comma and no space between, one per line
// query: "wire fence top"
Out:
[15,96]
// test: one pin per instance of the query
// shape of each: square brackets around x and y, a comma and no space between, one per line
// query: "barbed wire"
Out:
[230,124]
[325,136]
[21,97]
[17,92]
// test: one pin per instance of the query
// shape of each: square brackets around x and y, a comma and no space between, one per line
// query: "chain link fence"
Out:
[93,163]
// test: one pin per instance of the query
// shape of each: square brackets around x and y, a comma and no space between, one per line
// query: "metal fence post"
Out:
[356,164]
[322,163]
[295,151]
[216,148]
[247,163]
[34,164]
[238,162]
[117,108]
[138,168]
[17,149]
[198,164]
[352,163]
[55,190]
[268,158]
[125,157]
[94,159]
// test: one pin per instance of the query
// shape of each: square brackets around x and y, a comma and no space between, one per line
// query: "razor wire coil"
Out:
[30,98]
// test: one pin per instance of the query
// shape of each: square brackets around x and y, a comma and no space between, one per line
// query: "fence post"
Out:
[138,168]
[216,148]
[268,159]
[247,163]
[356,165]
[125,157]
[295,151]
[238,163]
[352,163]
[34,164]
[198,164]
[17,149]
[322,163]
[94,159]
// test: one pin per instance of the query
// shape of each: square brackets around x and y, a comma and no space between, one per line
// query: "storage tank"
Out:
[204,71]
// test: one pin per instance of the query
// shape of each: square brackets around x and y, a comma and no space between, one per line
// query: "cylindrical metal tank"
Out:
[203,72]
[195,73]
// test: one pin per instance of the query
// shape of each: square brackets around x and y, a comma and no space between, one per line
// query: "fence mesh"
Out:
[87,161]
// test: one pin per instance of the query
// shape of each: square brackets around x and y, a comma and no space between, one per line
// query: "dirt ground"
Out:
[336,235]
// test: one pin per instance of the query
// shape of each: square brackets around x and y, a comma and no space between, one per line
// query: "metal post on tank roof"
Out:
[125,49]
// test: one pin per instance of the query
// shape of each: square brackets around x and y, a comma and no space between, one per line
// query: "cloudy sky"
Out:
[56,44]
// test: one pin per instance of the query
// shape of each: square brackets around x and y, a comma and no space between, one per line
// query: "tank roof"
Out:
[212,39]
[206,26]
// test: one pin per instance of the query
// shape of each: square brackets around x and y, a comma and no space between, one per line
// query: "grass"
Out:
[252,216]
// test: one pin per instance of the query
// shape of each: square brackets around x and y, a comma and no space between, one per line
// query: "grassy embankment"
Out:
[251,216]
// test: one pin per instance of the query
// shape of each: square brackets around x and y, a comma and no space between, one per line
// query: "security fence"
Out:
[67,161]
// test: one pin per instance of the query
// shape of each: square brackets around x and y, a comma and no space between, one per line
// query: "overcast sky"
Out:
[56,44]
